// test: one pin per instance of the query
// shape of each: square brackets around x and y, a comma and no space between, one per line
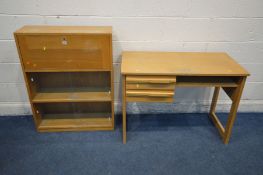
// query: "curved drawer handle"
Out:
[160,81]
[159,95]
[148,94]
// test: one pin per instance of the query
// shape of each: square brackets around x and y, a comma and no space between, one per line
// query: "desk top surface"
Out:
[45,29]
[180,63]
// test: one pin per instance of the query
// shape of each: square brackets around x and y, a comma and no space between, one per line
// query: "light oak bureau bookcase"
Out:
[154,76]
[69,76]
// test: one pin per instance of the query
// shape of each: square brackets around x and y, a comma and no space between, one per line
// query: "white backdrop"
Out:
[232,26]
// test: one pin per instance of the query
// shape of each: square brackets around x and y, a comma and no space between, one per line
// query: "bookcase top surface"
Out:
[45,29]
[180,63]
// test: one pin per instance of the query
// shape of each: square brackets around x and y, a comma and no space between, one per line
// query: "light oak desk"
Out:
[153,76]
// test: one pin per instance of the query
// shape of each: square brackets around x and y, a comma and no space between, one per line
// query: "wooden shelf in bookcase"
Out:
[69,76]
[71,96]
[60,122]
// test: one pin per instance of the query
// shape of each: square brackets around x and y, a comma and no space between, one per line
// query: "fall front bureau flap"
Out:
[65,51]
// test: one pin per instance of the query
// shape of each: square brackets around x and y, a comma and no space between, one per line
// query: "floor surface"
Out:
[157,144]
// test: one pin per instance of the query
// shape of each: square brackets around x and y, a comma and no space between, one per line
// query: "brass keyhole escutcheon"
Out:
[44,48]
[64,41]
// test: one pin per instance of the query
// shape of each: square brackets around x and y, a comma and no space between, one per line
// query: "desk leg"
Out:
[232,115]
[212,113]
[124,110]
[214,100]
[235,95]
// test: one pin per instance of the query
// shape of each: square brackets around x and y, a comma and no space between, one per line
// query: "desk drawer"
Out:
[151,82]
[150,99]
[65,52]
[166,86]
[150,95]
[151,79]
